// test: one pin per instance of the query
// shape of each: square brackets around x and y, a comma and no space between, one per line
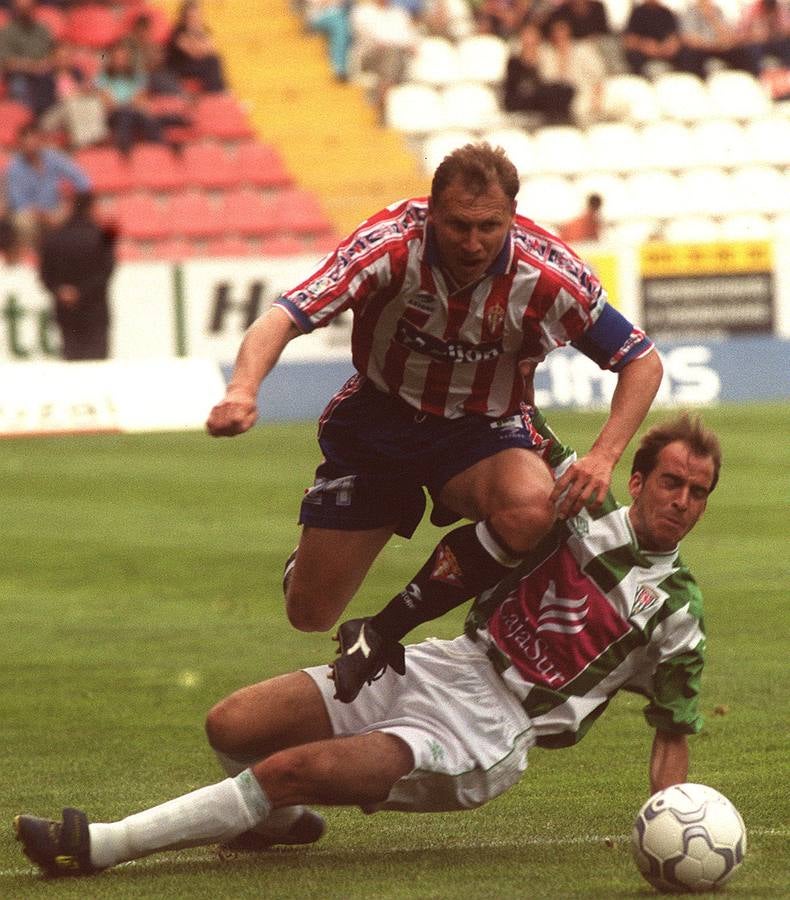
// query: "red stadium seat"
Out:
[220,116]
[230,245]
[12,117]
[93,26]
[283,245]
[261,165]
[193,214]
[143,218]
[108,170]
[208,165]
[245,212]
[53,18]
[175,249]
[155,167]
[299,212]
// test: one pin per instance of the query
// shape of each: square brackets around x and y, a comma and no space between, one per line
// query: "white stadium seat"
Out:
[630,97]
[721,142]
[550,199]
[769,140]
[633,232]
[691,229]
[761,189]
[613,190]
[669,145]
[746,227]
[561,150]
[518,145]
[483,57]
[435,62]
[614,147]
[707,192]
[437,145]
[682,96]
[473,106]
[737,95]
[781,226]
[414,109]
[655,195]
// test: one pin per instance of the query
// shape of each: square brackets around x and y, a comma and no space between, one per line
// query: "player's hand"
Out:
[585,483]
[236,413]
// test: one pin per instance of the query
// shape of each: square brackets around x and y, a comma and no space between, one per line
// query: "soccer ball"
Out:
[688,837]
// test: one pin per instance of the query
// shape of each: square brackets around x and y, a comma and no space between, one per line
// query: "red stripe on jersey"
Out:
[574,323]
[541,301]
[493,328]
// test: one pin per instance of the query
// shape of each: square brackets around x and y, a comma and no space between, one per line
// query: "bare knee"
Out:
[314,609]
[522,526]
[224,725]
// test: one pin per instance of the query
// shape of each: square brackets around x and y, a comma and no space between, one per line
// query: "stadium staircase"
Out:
[326,132]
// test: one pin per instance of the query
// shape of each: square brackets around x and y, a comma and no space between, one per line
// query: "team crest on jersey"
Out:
[494,319]
[446,567]
[646,597]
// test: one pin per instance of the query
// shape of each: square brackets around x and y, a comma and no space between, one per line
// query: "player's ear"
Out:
[635,484]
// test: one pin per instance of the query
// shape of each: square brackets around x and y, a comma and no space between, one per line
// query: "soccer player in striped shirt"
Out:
[604,603]
[456,299]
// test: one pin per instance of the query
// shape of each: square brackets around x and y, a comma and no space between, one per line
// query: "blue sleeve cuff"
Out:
[301,321]
[613,341]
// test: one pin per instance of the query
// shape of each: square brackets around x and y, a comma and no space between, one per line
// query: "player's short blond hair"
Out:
[479,166]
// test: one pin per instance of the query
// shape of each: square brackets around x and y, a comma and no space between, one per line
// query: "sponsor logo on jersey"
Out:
[445,351]
[446,568]
[562,614]
[646,597]
[423,301]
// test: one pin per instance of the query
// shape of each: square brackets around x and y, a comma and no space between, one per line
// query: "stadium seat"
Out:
[176,248]
[470,106]
[561,150]
[53,18]
[630,97]
[220,116]
[93,25]
[414,109]
[155,167]
[669,145]
[210,166]
[550,199]
[261,165]
[760,189]
[282,245]
[435,62]
[720,142]
[141,217]
[193,214]
[746,227]
[12,117]
[614,147]
[737,95]
[691,229]
[297,211]
[230,245]
[768,140]
[243,211]
[483,58]
[436,146]
[781,226]
[682,96]
[655,195]
[108,170]
[706,192]
[612,189]
[518,145]
[634,232]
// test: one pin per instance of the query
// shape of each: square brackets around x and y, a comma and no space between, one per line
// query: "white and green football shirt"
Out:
[589,613]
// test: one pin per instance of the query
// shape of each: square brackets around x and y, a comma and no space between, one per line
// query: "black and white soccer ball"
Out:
[688,837]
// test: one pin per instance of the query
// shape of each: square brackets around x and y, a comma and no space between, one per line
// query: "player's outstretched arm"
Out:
[263,343]
[589,479]
[669,760]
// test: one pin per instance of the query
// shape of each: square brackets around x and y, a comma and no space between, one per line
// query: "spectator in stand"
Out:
[588,226]
[331,18]
[78,110]
[36,179]
[502,18]
[707,37]
[141,44]
[190,51]
[124,89]
[527,90]
[588,20]
[386,37]
[26,58]
[450,19]
[651,39]
[764,35]
[76,262]
[578,64]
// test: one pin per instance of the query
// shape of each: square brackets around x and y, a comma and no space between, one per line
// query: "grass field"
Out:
[139,582]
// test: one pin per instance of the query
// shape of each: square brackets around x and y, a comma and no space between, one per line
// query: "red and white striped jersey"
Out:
[457,352]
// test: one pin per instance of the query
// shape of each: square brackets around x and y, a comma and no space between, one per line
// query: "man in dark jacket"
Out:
[76,262]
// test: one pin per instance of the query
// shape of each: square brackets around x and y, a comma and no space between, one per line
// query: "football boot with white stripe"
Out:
[362,657]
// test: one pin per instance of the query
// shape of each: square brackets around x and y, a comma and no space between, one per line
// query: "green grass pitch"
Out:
[140,582]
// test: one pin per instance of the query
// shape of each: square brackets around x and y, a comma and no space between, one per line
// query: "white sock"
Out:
[208,815]
[279,821]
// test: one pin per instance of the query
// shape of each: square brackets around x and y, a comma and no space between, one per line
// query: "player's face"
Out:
[470,229]
[669,502]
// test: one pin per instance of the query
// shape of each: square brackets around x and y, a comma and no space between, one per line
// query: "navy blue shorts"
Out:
[380,454]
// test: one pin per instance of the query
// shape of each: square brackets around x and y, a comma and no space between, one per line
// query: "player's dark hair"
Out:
[700,440]
[479,166]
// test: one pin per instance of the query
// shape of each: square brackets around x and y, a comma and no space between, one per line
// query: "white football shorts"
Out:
[468,734]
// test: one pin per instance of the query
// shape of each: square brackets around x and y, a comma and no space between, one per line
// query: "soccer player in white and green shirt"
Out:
[604,603]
